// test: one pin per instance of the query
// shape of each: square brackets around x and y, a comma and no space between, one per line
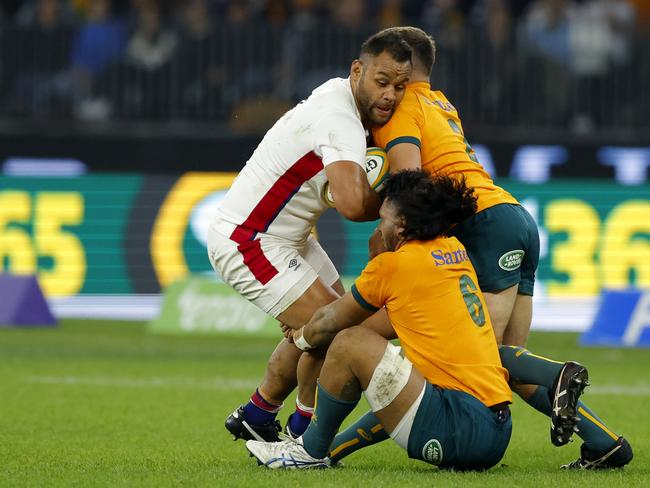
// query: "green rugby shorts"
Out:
[503,244]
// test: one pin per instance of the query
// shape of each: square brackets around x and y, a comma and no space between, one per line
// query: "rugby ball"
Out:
[376,172]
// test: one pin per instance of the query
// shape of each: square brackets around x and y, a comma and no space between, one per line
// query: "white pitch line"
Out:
[221,383]
[217,383]
[622,390]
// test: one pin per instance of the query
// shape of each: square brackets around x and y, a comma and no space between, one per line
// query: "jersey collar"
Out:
[418,85]
[351,95]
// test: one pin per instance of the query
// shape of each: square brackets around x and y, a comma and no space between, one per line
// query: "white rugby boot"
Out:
[286,454]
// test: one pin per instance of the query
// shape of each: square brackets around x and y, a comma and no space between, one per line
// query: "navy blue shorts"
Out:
[454,430]
[503,244]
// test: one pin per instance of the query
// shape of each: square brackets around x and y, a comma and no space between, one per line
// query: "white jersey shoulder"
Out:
[280,189]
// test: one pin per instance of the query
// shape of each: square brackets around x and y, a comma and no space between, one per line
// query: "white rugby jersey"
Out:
[279,191]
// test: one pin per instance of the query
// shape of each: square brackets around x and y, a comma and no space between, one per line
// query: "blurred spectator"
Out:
[642,9]
[350,14]
[304,20]
[149,54]
[152,45]
[304,13]
[276,12]
[80,7]
[327,49]
[238,12]
[250,70]
[99,44]
[547,29]
[199,65]
[44,14]
[546,36]
[600,38]
[100,41]
[36,59]
[445,21]
[494,58]
[558,63]
[600,35]
[390,14]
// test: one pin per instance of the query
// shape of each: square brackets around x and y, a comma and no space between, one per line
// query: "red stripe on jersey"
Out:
[256,261]
[267,210]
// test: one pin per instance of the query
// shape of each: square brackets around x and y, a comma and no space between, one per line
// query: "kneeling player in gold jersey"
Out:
[446,400]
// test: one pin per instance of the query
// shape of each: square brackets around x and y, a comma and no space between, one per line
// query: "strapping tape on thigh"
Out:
[389,378]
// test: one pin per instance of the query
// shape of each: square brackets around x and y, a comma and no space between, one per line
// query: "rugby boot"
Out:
[286,454]
[241,429]
[616,457]
[568,387]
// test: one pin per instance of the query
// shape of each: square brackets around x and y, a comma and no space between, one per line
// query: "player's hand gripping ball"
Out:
[376,172]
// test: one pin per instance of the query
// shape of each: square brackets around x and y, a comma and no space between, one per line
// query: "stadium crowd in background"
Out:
[231,60]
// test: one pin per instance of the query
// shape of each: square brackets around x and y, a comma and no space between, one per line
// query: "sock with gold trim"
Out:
[540,400]
[528,368]
[591,429]
[364,432]
[329,414]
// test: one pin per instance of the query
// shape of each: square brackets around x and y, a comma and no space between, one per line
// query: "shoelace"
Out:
[581,463]
[286,437]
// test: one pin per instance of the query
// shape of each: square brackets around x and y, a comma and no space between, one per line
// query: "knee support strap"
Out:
[389,378]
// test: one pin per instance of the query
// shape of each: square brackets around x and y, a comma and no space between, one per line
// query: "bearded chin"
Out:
[370,116]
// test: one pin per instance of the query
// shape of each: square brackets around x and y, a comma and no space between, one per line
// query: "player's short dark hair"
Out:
[390,41]
[428,205]
[422,44]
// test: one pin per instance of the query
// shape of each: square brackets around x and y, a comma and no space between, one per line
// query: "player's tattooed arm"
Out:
[328,320]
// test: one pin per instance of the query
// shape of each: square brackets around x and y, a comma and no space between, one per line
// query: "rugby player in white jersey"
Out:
[259,240]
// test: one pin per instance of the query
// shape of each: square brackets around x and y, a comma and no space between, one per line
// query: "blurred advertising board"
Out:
[123,234]
[70,232]
[622,320]
[197,304]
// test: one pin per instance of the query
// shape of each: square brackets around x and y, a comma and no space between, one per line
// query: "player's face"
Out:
[378,85]
[390,226]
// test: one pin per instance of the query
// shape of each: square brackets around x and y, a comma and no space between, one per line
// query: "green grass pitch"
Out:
[106,404]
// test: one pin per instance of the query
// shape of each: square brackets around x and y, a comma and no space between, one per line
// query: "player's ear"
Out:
[399,229]
[355,70]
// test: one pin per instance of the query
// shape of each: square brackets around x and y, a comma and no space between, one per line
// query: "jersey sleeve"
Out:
[403,126]
[340,137]
[372,288]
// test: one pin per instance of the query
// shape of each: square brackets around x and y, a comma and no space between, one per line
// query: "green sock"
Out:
[329,414]
[528,368]
[540,401]
[364,432]
[591,429]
